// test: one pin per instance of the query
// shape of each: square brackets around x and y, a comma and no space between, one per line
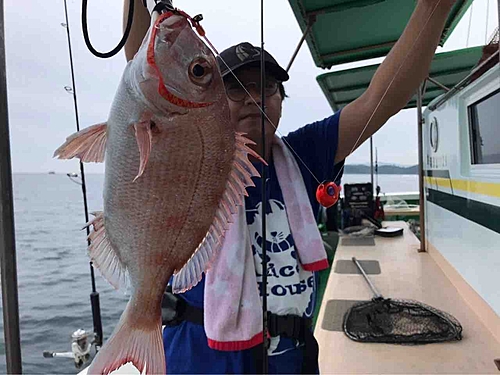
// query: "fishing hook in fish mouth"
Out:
[165,6]
[162,88]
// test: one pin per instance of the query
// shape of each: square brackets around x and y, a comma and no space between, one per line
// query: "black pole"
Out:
[310,24]
[94,296]
[7,236]
[371,163]
[423,245]
[264,194]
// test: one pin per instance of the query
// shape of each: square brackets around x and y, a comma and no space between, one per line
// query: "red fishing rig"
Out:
[328,193]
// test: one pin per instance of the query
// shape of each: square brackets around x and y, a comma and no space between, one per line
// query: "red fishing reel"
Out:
[328,193]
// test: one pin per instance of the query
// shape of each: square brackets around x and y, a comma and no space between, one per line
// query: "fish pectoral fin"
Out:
[144,137]
[238,180]
[89,145]
[104,256]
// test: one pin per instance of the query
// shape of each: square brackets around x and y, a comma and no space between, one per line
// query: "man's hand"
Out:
[157,6]
[140,26]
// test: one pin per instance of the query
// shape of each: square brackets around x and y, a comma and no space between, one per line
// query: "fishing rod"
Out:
[94,295]
[8,264]
[265,341]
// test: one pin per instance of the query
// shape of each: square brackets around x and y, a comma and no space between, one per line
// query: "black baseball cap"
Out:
[245,54]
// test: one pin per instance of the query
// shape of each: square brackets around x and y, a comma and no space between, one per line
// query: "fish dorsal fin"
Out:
[104,256]
[239,178]
[89,145]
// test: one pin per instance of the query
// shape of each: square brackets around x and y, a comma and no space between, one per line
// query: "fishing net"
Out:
[400,322]
[396,321]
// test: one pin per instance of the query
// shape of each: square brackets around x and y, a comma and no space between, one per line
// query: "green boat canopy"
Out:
[448,68]
[352,30]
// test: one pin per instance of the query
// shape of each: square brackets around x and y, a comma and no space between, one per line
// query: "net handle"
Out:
[372,287]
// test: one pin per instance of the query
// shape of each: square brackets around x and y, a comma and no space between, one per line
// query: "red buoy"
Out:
[328,193]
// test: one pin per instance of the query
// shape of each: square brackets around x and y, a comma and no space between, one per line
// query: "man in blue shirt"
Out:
[320,149]
[291,289]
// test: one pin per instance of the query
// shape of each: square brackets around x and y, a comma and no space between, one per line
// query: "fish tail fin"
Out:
[138,339]
[89,145]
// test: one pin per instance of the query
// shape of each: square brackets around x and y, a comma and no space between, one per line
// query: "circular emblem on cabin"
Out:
[434,135]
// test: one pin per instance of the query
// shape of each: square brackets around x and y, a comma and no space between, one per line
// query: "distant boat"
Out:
[72,174]
[52,172]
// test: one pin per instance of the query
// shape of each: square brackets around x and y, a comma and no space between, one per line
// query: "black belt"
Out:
[175,310]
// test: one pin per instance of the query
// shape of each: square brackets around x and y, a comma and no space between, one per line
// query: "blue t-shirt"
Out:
[290,288]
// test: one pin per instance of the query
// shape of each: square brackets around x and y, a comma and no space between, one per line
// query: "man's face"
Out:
[245,115]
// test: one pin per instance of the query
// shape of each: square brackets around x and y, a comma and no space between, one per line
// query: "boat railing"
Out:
[462,83]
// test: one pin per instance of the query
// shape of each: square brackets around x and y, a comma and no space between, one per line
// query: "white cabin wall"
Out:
[472,249]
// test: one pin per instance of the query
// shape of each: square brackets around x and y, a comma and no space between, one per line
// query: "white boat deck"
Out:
[405,274]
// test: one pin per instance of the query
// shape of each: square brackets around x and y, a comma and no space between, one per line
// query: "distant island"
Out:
[382,169]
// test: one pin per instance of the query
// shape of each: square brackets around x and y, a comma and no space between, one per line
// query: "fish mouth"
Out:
[169,25]
[173,23]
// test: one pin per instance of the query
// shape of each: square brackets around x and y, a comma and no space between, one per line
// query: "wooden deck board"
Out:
[406,274]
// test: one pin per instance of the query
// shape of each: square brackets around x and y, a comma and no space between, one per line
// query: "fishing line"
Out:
[255,102]
[268,119]
[368,122]
[390,84]
[470,21]
[487,17]
[122,42]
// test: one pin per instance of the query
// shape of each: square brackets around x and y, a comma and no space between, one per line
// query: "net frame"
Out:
[398,321]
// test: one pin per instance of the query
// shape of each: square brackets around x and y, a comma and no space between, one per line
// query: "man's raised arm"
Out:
[140,26]
[404,69]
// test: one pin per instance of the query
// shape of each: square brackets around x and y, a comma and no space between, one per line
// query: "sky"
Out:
[41,112]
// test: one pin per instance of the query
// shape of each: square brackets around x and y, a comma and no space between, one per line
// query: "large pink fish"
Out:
[175,172]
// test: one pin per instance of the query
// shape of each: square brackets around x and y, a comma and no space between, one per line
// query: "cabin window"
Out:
[484,118]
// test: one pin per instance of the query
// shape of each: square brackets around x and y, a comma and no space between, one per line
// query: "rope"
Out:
[122,42]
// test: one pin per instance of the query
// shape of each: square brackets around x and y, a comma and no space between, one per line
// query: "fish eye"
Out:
[200,72]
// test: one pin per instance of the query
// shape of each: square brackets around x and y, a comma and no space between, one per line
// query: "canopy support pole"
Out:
[371,164]
[8,265]
[423,247]
[310,24]
[439,84]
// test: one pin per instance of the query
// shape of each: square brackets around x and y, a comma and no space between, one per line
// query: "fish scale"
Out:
[175,172]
